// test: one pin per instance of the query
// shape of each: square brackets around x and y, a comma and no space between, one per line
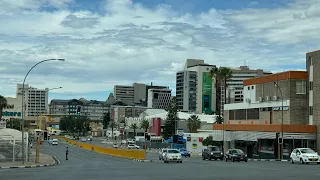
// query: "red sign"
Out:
[200,139]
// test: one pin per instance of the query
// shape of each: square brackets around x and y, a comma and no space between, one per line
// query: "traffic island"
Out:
[45,161]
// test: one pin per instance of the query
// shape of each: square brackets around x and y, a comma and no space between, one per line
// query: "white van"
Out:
[54,141]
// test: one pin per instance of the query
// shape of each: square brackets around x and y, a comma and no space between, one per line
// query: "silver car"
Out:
[162,152]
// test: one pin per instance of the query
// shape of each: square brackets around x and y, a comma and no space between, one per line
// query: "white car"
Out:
[133,146]
[162,152]
[304,155]
[83,139]
[172,155]
[115,145]
[55,142]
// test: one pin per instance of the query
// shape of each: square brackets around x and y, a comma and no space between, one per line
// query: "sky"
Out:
[109,42]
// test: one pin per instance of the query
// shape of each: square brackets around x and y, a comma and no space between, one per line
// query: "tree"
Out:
[106,120]
[221,76]
[210,142]
[3,104]
[112,125]
[219,119]
[134,127]
[193,124]
[73,124]
[171,122]
[145,125]
[13,124]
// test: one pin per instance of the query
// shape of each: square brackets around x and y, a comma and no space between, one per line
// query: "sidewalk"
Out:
[45,160]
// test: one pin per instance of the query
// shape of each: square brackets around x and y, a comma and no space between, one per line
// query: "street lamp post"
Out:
[22,103]
[280,146]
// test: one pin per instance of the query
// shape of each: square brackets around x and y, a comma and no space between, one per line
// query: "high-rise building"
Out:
[194,80]
[235,84]
[159,98]
[36,100]
[137,94]
[186,91]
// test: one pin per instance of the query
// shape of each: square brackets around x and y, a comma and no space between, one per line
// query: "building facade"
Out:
[186,91]
[195,81]
[313,85]
[275,105]
[159,98]
[92,109]
[137,94]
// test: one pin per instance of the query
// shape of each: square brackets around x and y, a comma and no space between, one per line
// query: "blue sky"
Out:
[108,42]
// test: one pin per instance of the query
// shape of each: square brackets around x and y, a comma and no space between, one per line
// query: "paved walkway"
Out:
[45,160]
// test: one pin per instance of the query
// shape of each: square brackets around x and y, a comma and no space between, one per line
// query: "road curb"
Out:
[282,160]
[32,166]
[139,160]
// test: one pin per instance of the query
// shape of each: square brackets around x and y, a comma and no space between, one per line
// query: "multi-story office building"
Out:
[186,91]
[195,81]
[159,98]
[137,94]
[313,85]
[274,105]
[93,109]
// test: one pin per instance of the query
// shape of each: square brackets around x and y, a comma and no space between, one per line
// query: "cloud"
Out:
[132,43]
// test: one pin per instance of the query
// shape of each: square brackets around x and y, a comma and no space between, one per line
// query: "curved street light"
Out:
[22,103]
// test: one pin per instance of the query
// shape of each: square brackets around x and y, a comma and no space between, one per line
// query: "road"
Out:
[87,165]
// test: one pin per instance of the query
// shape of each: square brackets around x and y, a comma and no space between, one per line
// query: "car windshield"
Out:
[237,151]
[173,151]
[182,150]
[213,149]
[307,151]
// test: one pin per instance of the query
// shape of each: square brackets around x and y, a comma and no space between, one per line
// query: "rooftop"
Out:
[303,75]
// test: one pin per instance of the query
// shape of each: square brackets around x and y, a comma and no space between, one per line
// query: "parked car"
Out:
[162,152]
[184,152]
[304,155]
[133,146]
[83,139]
[236,155]
[89,138]
[50,141]
[115,145]
[212,152]
[172,155]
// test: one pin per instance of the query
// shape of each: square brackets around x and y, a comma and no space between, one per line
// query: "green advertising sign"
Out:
[206,93]
[6,113]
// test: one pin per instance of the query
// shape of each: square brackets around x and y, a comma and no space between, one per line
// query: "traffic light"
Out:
[280,140]
[78,110]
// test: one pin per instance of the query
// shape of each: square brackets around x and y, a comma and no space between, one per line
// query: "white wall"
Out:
[251,94]
[251,105]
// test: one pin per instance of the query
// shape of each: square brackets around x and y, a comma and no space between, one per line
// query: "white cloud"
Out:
[132,43]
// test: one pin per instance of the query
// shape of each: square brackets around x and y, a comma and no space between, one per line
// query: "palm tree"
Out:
[112,125]
[219,119]
[134,127]
[193,124]
[3,104]
[221,76]
[145,125]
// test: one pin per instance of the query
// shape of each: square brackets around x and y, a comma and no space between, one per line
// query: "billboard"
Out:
[206,93]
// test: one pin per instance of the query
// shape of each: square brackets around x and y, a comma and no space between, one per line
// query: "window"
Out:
[310,110]
[248,87]
[310,86]
[310,61]
[252,87]
[301,87]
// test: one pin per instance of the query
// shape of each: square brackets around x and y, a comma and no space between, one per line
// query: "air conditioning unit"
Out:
[248,100]
[260,99]
[268,98]
[275,98]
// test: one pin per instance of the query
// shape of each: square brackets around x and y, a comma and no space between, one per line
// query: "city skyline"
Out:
[104,42]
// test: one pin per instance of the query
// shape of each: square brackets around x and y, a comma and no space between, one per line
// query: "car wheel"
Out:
[246,160]
[292,162]
[203,158]
[232,159]
[221,159]
[301,161]
[180,161]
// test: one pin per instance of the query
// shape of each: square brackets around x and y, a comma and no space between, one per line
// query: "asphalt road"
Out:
[86,165]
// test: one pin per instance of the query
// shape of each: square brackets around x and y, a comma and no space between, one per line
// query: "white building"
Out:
[36,100]
[159,98]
